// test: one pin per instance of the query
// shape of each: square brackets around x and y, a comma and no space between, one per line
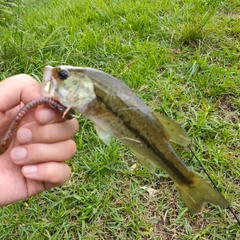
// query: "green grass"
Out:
[187,53]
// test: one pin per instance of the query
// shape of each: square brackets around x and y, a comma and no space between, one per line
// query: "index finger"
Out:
[16,89]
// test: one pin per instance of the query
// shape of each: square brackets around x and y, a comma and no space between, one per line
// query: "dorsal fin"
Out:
[173,130]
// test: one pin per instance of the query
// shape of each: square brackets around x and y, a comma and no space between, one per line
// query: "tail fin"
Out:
[196,194]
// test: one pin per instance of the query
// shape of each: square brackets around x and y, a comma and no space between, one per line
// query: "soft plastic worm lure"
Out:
[7,138]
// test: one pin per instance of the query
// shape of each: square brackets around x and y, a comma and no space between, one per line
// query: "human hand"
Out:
[33,162]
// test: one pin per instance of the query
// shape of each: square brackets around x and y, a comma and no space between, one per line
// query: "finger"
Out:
[16,89]
[44,114]
[37,153]
[49,133]
[52,174]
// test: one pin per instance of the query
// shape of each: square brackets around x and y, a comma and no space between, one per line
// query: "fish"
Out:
[117,111]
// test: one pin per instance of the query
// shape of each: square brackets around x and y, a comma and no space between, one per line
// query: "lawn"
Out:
[182,59]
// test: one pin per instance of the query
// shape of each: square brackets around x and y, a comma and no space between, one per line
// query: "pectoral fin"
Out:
[103,135]
[173,130]
[149,165]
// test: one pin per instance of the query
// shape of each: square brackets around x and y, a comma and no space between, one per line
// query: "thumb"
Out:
[17,89]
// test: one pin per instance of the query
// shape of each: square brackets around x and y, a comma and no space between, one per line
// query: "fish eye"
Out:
[63,74]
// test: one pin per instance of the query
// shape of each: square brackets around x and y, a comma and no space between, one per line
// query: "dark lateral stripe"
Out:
[156,151]
[160,155]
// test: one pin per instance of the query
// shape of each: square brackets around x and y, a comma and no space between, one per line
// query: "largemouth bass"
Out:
[116,111]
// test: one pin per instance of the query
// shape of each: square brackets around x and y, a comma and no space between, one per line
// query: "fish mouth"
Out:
[49,83]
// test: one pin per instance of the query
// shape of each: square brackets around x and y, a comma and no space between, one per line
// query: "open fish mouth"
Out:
[49,84]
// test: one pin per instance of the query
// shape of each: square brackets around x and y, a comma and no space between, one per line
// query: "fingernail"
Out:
[18,153]
[29,169]
[46,115]
[24,135]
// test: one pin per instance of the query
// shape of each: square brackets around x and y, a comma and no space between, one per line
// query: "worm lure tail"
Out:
[7,139]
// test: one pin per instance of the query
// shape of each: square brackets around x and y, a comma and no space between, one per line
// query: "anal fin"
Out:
[149,165]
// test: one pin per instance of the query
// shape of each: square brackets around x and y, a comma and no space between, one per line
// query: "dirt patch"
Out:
[228,104]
